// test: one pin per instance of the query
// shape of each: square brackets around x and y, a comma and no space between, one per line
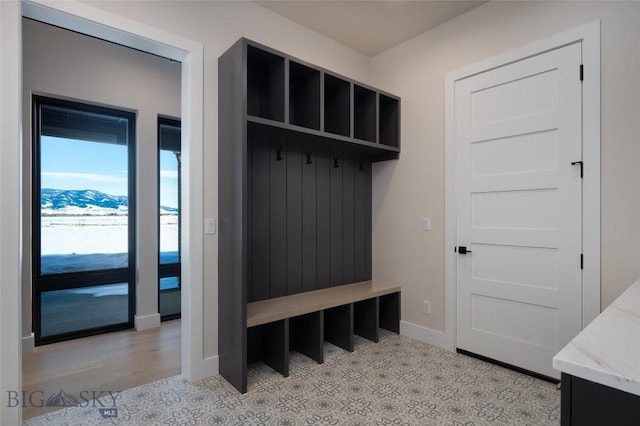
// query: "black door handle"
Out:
[574,163]
[463,250]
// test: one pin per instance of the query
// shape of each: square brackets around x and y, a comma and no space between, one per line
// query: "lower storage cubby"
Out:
[366,319]
[338,326]
[303,322]
[271,342]
[390,312]
[307,335]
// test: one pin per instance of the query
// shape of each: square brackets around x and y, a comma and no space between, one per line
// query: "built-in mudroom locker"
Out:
[296,145]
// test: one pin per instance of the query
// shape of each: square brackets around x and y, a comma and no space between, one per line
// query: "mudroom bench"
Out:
[296,148]
[303,321]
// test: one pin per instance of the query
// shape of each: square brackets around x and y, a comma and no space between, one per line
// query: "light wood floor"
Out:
[114,361]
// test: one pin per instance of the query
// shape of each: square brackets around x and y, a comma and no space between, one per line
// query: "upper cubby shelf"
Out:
[265,84]
[285,92]
[364,114]
[389,121]
[337,106]
[304,96]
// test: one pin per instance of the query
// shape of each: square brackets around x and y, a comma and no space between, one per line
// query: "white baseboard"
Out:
[426,335]
[28,344]
[210,366]
[145,322]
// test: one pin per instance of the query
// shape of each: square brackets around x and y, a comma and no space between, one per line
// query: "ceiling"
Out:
[370,27]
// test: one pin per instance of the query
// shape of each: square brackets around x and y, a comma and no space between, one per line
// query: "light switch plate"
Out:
[210,226]
[426,224]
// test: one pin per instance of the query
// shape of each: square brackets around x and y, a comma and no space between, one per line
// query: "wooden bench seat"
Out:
[304,321]
[270,310]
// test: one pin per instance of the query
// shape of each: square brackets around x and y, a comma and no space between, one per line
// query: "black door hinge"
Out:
[581,72]
[581,261]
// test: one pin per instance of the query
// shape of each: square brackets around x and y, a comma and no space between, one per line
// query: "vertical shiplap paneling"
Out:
[368,219]
[310,222]
[337,168]
[278,212]
[259,214]
[294,212]
[309,214]
[249,287]
[348,212]
[360,217]
[323,201]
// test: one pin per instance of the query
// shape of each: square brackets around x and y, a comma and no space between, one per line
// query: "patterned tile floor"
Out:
[398,381]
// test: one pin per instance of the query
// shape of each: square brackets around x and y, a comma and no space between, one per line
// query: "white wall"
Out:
[57,62]
[218,25]
[10,357]
[413,187]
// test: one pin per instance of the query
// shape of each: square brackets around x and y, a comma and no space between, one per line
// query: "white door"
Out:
[519,208]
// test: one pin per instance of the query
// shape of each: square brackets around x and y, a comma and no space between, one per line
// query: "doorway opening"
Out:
[92,21]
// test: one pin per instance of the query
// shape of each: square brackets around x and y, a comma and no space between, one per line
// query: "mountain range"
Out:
[85,201]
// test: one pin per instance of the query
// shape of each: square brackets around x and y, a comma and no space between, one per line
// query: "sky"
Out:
[76,164]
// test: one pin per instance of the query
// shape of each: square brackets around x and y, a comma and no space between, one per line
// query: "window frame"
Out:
[42,283]
[168,270]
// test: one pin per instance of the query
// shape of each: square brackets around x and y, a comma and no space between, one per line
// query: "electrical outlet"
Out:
[426,307]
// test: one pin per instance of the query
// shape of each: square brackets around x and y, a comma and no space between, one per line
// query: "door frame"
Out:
[589,36]
[86,19]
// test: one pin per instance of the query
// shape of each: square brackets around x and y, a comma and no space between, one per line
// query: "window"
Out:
[169,218]
[83,227]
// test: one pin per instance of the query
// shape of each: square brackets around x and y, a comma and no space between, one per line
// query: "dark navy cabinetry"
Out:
[586,403]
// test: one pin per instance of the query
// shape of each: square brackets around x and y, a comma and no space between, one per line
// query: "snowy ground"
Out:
[98,234]
[84,243]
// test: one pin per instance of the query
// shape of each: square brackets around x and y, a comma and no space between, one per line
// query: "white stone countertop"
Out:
[607,351]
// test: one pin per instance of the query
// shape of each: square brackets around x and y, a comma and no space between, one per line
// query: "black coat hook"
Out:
[309,158]
[279,154]
[335,162]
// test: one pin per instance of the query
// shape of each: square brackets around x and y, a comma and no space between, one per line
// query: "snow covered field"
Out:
[98,234]
[85,243]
